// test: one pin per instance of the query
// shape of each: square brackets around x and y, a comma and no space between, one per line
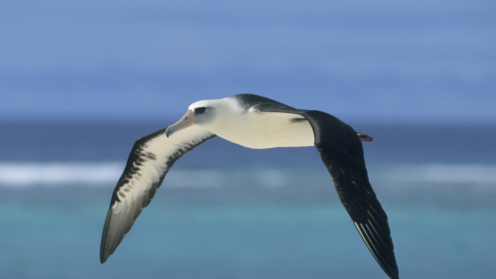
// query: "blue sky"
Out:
[414,61]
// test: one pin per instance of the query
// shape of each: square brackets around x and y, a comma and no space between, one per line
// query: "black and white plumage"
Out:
[254,122]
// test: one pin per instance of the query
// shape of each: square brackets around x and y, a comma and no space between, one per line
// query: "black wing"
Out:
[342,153]
[150,160]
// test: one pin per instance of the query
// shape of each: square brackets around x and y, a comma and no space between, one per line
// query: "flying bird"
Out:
[254,122]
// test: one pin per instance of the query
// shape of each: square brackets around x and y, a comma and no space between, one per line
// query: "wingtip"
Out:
[365,138]
[103,256]
[394,276]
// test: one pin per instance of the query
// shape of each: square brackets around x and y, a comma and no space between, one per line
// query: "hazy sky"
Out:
[425,61]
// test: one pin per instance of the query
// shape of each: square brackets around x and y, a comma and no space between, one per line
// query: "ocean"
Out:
[225,211]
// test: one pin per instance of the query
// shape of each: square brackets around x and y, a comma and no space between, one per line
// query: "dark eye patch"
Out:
[200,110]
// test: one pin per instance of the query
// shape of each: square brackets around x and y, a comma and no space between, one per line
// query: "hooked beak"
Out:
[187,120]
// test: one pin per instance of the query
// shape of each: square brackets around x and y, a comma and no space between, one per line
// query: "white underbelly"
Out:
[269,130]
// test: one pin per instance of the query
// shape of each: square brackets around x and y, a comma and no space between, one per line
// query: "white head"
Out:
[208,114]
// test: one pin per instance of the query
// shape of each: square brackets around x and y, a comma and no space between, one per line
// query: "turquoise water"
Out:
[245,213]
[51,235]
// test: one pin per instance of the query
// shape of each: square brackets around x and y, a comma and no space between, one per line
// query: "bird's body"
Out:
[257,129]
[254,122]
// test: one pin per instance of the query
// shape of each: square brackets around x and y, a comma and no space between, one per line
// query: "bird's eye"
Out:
[200,110]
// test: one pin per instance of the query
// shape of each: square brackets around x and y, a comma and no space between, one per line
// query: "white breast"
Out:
[266,130]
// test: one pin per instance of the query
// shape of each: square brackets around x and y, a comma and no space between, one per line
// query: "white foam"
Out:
[399,177]
[26,174]
[19,175]
[442,173]
[476,179]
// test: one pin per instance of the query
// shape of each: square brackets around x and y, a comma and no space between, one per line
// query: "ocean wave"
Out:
[438,179]
[441,173]
[97,174]
[28,174]
[20,175]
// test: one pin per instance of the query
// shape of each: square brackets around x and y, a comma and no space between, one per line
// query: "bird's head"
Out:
[207,113]
[198,113]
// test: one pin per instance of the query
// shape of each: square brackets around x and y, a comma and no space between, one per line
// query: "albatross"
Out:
[254,122]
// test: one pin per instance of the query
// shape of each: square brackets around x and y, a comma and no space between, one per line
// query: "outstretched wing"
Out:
[342,153]
[151,158]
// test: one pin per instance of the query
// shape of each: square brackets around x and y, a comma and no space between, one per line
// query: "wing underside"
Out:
[149,161]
